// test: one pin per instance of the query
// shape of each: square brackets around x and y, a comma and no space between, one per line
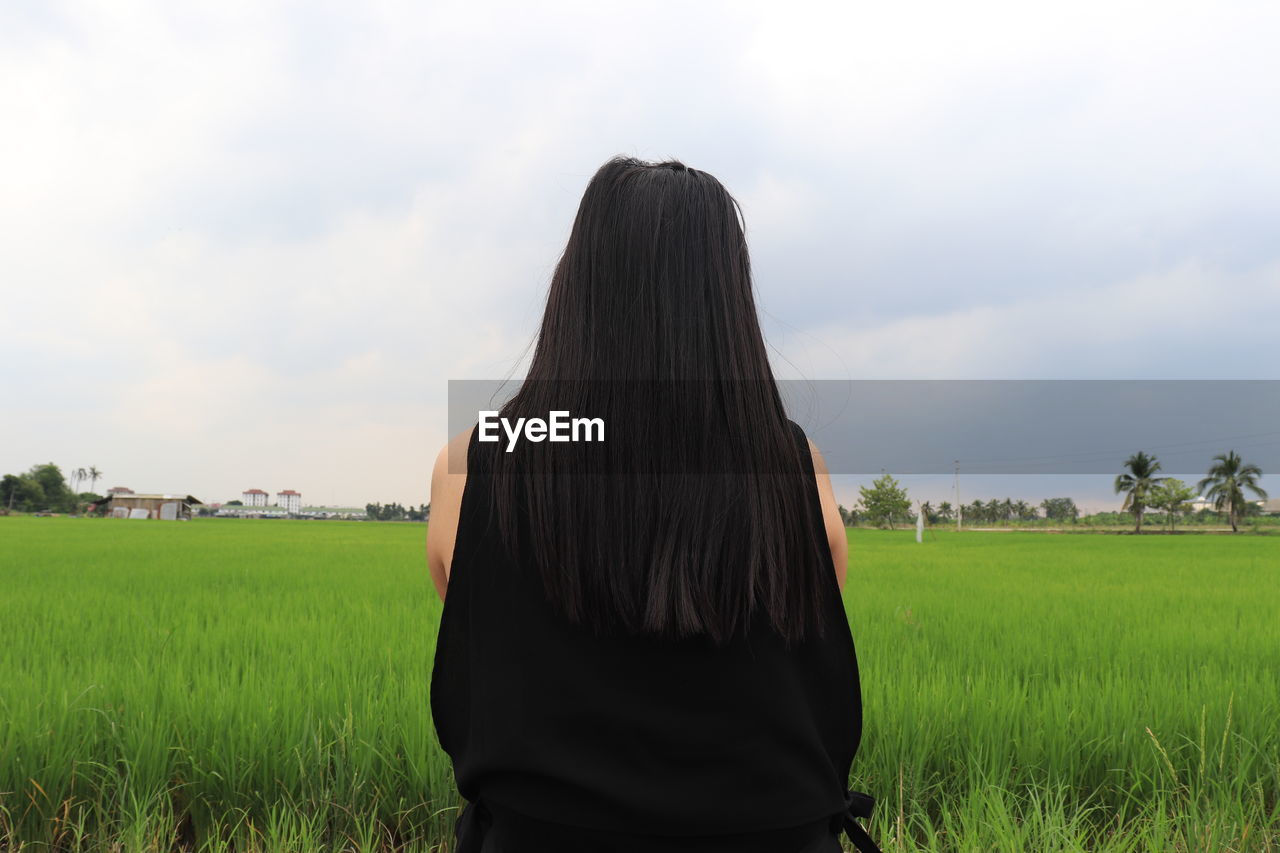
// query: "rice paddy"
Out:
[263,685]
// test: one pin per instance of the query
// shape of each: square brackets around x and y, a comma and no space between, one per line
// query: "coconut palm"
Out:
[976,510]
[1228,477]
[1006,510]
[94,476]
[1136,484]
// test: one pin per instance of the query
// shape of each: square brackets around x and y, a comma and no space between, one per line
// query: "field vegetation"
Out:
[251,685]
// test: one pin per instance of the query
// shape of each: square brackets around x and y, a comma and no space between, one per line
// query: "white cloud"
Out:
[277,232]
[1191,321]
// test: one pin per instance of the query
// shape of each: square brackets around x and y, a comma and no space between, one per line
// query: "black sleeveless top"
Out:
[561,740]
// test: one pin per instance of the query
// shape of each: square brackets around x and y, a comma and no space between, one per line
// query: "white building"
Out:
[1200,502]
[289,500]
[254,497]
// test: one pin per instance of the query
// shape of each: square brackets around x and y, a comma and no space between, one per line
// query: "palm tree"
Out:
[1137,483]
[1228,477]
[94,476]
[1006,510]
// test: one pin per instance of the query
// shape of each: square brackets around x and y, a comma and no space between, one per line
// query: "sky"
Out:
[246,245]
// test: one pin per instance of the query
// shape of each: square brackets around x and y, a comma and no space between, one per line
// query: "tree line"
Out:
[44,488]
[395,512]
[885,502]
[1225,484]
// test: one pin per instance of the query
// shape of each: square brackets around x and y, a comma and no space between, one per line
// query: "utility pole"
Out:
[959,506]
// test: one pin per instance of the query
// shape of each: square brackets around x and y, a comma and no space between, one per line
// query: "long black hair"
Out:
[694,515]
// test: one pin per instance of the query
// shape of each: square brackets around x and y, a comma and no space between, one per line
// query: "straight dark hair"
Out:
[701,517]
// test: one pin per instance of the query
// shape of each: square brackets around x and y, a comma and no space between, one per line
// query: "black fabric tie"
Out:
[856,804]
[470,827]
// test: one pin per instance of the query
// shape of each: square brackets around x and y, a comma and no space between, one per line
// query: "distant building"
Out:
[119,490]
[289,500]
[163,507]
[254,497]
[1270,507]
[1200,502]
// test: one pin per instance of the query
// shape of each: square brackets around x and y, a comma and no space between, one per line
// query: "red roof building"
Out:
[254,497]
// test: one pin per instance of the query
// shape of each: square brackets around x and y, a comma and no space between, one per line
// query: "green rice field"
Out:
[263,685]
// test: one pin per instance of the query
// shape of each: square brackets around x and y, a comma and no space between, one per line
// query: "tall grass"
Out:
[163,680]
[263,685]
[1127,684]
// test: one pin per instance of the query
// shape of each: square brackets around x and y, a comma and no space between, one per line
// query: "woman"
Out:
[643,645]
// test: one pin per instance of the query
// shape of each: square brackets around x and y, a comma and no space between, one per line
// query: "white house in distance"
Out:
[289,500]
[254,497]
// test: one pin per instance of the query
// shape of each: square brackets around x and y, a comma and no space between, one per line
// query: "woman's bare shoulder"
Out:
[448,481]
[837,539]
[451,461]
[819,464]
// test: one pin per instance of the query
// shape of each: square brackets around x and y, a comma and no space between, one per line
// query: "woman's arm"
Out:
[446,503]
[836,536]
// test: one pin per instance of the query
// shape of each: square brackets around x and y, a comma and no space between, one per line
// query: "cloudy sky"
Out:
[246,245]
